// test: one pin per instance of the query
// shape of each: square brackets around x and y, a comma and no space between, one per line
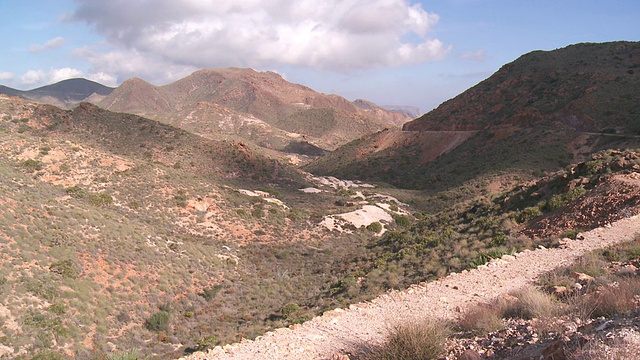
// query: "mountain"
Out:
[588,87]
[539,113]
[64,94]
[260,107]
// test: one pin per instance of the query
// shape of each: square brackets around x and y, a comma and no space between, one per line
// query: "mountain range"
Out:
[258,107]
[171,219]
[64,94]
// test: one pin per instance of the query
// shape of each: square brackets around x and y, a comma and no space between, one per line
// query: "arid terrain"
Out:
[232,214]
[345,331]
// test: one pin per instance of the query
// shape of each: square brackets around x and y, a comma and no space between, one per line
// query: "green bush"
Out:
[210,293]
[207,342]
[402,221]
[158,321]
[64,268]
[528,214]
[32,165]
[75,192]
[375,227]
[289,310]
[102,199]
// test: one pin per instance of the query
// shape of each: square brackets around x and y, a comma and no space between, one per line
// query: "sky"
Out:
[391,52]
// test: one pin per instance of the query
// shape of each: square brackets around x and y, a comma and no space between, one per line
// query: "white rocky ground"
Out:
[340,330]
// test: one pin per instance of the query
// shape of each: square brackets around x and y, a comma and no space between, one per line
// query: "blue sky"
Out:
[398,52]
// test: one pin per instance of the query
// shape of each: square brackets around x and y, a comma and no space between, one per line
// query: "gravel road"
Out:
[339,330]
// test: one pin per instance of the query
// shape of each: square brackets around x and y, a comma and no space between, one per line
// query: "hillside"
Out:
[588,87]
[64,94]
[119,232]
[260,107]
[575,101]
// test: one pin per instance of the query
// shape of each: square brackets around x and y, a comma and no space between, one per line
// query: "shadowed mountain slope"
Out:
[64,94]
[538,113]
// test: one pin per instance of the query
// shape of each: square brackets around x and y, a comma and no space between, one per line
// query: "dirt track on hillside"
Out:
[340,330]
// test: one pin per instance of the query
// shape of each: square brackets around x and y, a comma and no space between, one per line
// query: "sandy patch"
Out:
[311,190]
[358,218]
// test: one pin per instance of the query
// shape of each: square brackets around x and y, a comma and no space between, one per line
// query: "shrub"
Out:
[529,214]
[289,310]
[617,298]
[375,227]
[402,221]
[158,321]
[102,199]
[532,303]
[481,319]
[48,355]
[125,355]
[207,342]
[64,268]
[75,192]
[32,165]
[423,339]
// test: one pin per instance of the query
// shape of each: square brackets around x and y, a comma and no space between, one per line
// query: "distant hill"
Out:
[538,113]
[259,106]
[411,111]
[64,94]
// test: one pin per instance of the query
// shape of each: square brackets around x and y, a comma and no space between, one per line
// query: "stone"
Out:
[582,278]
[559,291]
[555,351]
[469,355]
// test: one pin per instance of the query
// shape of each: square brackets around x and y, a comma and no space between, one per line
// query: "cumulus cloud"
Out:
[178,36]
[51,44]
[56,75]
[103,78]
[5,75]
[41,77]
[33,77]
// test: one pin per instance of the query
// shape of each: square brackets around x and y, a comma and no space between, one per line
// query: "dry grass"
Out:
[418,339]
[626,348]
[481,319]
[532,303]
[617,298]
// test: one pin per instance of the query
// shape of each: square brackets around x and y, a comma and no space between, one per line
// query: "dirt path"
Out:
[341,329]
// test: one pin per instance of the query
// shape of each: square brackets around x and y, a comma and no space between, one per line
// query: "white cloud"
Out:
[172,37]
[479,55]
[5,75]
[32,77]
[51,44]
[56,75]
[35,78]
[103,78]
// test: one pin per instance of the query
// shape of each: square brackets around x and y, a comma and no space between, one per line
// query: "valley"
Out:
[194,217]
